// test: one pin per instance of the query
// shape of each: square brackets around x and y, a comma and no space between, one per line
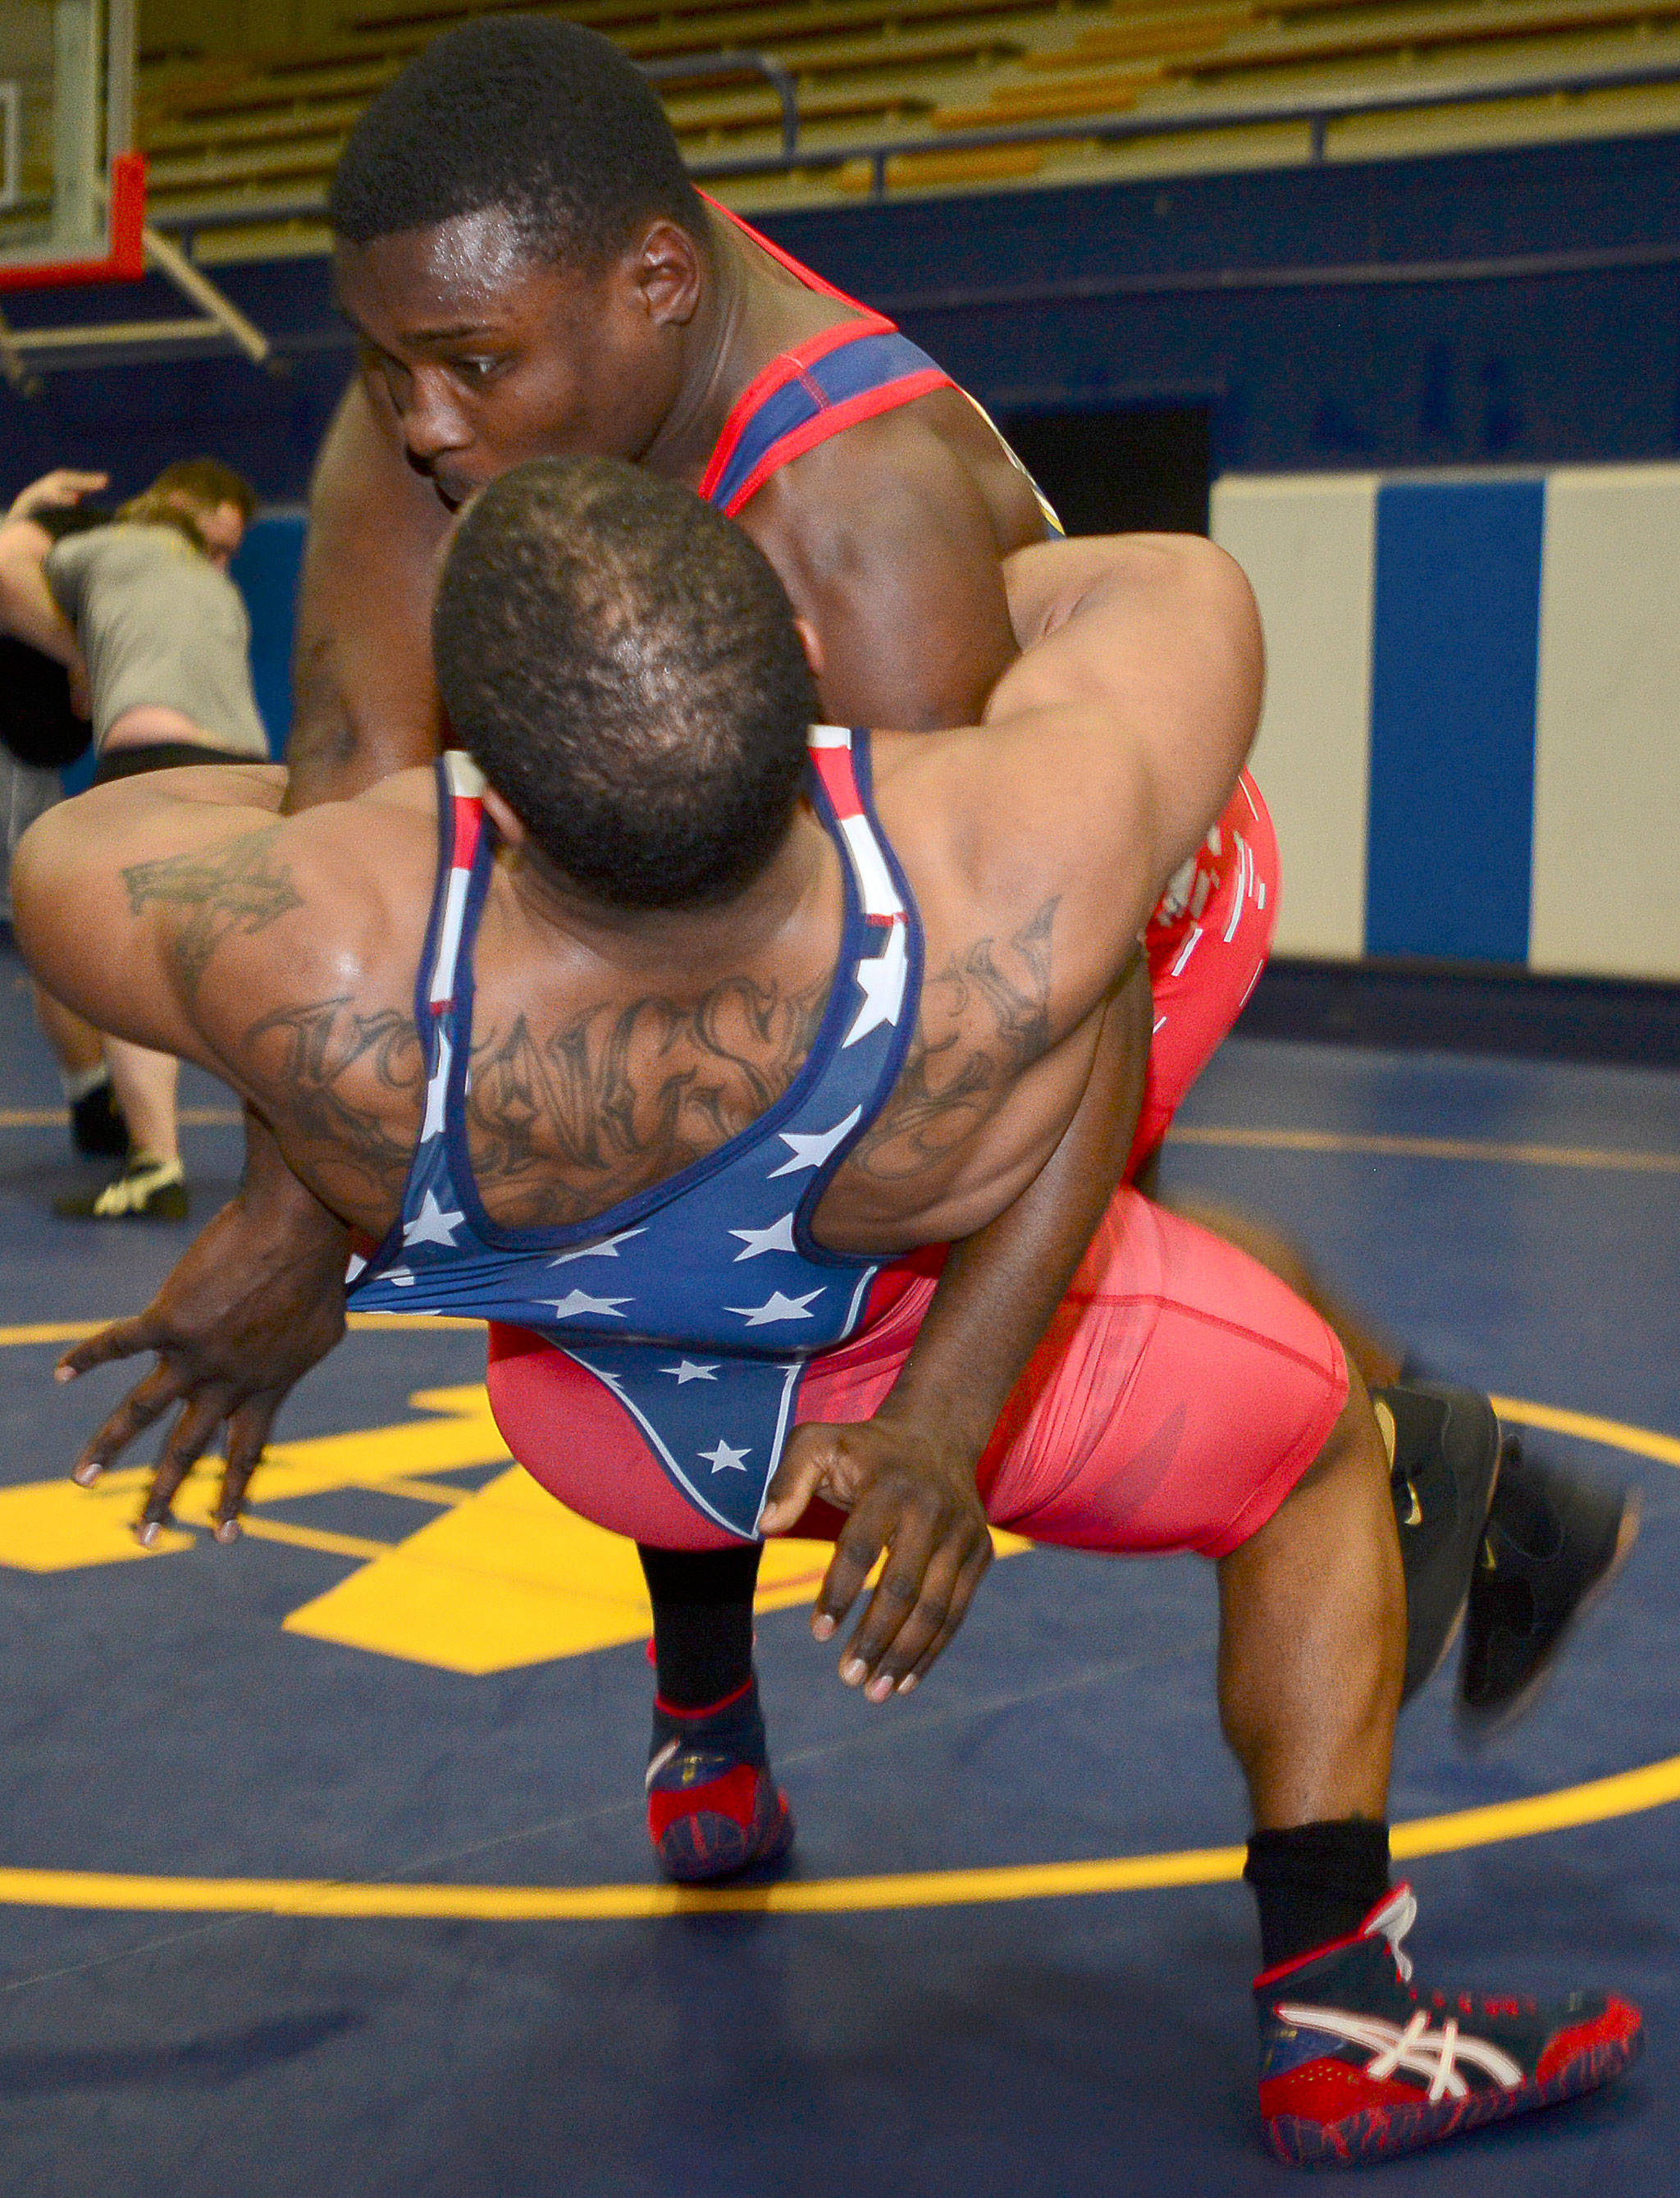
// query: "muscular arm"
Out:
[891,540]
[364,702]
[1156,643]
[116,909]
[121,898]
[258,1297]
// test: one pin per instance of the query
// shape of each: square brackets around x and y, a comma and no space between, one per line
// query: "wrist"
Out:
[938,1421]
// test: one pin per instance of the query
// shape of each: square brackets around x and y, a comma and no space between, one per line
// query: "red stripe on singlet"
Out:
[812,281]
[787,366]
[464,833]
[833,421]
[840,781]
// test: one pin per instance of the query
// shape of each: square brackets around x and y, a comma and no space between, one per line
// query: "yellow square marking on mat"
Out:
[504,1576]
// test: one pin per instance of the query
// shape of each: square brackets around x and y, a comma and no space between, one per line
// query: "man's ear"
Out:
[668,270]
[813,646]
[511,830]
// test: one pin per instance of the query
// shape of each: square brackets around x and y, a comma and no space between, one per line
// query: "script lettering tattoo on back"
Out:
[559,1127]
[235,887]
[563,1124]
[562,1128]
[338,1074]
[985,1017]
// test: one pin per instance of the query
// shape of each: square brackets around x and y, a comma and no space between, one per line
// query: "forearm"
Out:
[1001,1287]
[306,1230]
[364,702]
[27,610]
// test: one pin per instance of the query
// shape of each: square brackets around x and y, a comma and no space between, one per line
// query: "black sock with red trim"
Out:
[1316,1882]
[702,1603]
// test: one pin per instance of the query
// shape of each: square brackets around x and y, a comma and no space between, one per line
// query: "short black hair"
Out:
[624,664]
[548,120]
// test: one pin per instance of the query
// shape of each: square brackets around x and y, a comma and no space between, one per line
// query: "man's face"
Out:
[489,356]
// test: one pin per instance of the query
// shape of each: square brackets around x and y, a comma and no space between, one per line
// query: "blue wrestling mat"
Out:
[325,1869]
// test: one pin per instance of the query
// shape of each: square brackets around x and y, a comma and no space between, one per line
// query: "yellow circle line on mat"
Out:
[1624,1794]
[1425,1149]
[48,1118]
[364,1323]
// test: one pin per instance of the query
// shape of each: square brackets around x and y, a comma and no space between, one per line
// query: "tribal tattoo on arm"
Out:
[984,1018]
[239,886]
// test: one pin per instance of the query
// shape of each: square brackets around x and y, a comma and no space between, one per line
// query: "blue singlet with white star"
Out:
[697,1304]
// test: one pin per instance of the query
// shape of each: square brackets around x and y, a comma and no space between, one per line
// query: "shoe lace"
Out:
[1436,2054]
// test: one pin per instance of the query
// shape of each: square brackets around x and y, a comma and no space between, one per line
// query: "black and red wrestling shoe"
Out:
[1358,2063]
[713,1808]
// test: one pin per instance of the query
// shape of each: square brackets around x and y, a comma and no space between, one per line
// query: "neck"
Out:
[710,379]
[700,942]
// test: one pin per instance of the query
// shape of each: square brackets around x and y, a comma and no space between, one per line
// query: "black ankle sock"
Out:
[702,1621]
[1316,1882]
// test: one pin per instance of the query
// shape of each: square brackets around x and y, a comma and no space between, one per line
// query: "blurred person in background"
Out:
[153,635]
[40,735]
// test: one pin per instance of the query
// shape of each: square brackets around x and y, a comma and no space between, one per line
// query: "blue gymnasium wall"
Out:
[1471,745]
[1345,372]
[1336,322]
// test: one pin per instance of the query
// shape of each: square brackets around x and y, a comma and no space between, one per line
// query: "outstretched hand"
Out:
[256,1300]
[53,491]
[911,1495]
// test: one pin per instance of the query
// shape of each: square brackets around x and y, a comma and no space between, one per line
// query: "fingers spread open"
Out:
[247,1432]
[123,1338]
[857,1545]
[188,1440]
[143,1406]
[912,1604]
[973,1572]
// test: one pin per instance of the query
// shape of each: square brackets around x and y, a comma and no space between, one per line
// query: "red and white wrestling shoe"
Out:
[713,1806]
[1357,2063]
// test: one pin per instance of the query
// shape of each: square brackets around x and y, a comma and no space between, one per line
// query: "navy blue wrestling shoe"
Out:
[1555,1542]
[1445,1446]
[713,1808]
[1357,2063]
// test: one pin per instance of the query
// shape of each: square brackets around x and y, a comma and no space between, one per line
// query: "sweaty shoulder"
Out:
[342,890]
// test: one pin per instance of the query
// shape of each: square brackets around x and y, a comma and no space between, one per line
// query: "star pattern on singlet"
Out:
[698,1303]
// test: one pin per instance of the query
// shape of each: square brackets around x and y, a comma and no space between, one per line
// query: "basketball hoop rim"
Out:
[126,262]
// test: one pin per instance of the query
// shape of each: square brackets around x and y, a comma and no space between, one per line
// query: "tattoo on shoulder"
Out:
[239,886]
[985,1017]
[332,1074]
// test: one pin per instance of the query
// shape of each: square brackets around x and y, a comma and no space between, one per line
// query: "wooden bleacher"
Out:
[257,135]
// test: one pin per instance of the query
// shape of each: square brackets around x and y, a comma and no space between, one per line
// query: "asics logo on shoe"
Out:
[1417,2049]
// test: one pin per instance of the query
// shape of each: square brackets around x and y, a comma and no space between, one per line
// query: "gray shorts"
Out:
[25,794]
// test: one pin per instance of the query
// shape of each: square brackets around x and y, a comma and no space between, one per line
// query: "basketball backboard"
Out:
[71,192]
